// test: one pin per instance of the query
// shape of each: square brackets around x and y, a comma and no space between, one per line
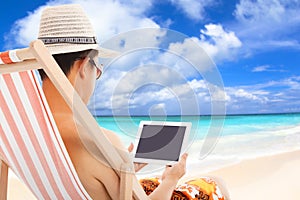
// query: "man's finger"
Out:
[130,148]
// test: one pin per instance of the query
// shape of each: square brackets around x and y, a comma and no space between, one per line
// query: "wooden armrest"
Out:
[3,180]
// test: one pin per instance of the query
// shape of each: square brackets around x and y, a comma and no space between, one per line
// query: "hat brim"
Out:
[107,53]
[69,48]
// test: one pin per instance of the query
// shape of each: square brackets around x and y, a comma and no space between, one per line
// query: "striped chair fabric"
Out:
[30,143]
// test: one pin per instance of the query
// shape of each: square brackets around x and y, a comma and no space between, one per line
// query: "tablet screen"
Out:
[160,142]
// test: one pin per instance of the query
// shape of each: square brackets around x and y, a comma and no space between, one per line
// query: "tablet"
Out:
[161,142]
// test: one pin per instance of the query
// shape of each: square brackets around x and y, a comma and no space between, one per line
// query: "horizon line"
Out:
[279,113]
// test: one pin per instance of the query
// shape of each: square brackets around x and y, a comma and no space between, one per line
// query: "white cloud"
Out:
[289,83]
[268,24]
[275,96]
[260,23]
[268,68]
[144,92]
[176,70]
[223,43]
[197,84]
[139,85]
[254,11]
[214,43]
[261,68]
[194,9]
[244,94]
[293,82]
[112,17]
[158,110]
[198,95]
[24,30]
[108,17]
[139,40]
[170,69]
[194,52]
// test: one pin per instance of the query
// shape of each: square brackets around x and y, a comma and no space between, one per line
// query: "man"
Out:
[69,36]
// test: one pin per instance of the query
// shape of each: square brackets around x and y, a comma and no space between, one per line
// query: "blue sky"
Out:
[253,45]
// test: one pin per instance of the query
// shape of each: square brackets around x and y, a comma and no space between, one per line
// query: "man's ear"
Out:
[81,68]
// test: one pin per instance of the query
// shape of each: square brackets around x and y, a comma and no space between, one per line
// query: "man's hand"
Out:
[137,166]
[176,171]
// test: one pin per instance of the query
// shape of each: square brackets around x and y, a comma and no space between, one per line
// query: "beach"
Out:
[273,177]
[16,190]
[265,166]
[258,165]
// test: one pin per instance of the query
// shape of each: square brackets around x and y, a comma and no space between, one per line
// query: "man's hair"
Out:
[66,60]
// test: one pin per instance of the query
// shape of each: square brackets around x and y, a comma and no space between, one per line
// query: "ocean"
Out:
[218,141]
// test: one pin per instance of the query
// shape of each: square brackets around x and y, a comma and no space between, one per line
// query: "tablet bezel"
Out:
[161,123]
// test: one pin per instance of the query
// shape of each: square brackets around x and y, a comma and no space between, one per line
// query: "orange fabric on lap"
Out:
[203,188]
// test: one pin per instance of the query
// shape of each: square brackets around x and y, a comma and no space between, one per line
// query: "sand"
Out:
[17,190]
[273,177]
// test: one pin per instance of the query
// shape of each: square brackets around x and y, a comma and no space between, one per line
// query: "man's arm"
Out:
[170,178]
[106,175]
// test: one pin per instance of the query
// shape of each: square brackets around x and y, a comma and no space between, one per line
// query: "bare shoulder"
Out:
[113,138]
[98,178]
[70,130]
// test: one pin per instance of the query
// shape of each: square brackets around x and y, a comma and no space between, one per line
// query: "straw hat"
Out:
[66,29]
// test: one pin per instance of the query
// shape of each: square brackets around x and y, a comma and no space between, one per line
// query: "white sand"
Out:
[17,190]
[273,177]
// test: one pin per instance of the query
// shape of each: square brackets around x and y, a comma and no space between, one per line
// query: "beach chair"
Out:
[30,144]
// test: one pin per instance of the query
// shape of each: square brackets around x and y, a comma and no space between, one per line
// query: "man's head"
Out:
[69,36]
[66,61]
[81,68]
[66,29]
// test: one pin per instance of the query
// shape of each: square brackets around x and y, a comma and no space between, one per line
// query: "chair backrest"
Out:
[28,138]
[30,142]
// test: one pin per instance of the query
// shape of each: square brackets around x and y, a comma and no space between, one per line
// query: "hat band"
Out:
[71,40]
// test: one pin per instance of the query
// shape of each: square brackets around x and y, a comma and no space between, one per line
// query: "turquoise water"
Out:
[230,125]
[235,137]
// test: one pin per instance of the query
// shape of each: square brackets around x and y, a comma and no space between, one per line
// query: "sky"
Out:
[184,57]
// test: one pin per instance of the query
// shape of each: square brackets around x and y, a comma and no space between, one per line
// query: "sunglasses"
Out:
[92,62]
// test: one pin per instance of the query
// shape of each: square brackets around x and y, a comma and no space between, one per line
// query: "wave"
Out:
[231,149]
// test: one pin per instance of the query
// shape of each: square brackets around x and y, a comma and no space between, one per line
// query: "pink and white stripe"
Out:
[30,142]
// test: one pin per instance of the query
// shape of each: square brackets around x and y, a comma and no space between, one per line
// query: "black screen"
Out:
[161,142]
